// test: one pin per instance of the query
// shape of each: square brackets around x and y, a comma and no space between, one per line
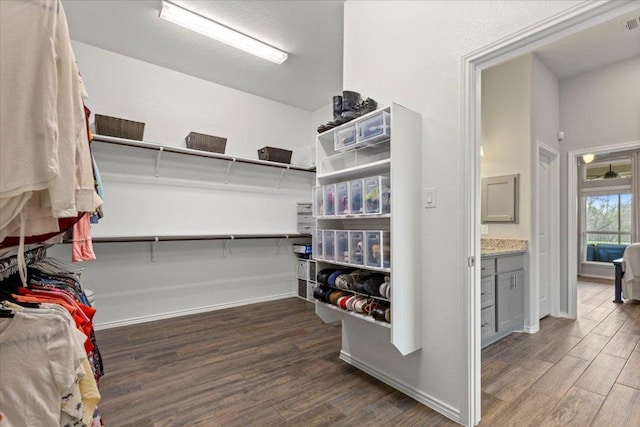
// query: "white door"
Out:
[545,214]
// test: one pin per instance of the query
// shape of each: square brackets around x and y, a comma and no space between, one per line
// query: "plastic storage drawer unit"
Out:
[375,129]
[317,245]
[342,198]
[356,191]
[342,246]
[378,249]
[329,192]
[329,245]
[344,138]
[377,195]
[356,247]
[318,202]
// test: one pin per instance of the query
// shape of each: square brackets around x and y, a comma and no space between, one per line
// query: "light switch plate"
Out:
[485,229]
[429,197]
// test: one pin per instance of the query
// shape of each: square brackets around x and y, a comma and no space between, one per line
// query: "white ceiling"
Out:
[593,48]
[310,31]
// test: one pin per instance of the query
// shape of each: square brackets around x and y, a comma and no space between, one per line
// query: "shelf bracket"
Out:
[280,177]
[154,246]
[226,175]
[286,236]
[227,246]
[158,161]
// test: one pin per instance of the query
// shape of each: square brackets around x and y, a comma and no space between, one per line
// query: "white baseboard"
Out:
[564,315]
[425,399]
[532,329]
[186,312]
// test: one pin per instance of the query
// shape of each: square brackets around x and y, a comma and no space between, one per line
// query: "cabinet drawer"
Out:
[510,263]
[303,273]
[304,208]
[487,267]
[306,219]
[487,323]
[302,288]
[305,229]
[487,290]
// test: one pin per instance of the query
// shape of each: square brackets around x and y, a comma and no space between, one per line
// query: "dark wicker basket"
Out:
[275,154]
[120,128]
[202,142]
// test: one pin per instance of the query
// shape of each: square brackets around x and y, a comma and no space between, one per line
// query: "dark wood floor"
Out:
[276,364]
[571,373]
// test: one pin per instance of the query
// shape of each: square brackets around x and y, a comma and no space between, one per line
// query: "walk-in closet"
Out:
[316,213]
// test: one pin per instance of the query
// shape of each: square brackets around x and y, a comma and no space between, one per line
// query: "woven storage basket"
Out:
[202,142]
[120,128]
[275,154]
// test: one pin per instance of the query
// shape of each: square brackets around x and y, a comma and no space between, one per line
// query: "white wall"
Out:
[506,120]
[597,108]
[191,196]
[410,53]
[545,105]
[173,104]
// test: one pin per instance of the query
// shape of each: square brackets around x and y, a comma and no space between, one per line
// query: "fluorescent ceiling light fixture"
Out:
[588,158]
[193,21]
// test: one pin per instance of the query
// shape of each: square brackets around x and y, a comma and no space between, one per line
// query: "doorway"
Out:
[581,17]
[545,265]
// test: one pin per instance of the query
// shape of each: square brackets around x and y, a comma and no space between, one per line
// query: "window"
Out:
[607,210]
[607,226]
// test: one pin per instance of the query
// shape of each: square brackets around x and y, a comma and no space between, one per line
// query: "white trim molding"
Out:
[557,27]
[412,392]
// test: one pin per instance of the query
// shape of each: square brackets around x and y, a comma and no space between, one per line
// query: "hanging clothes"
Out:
[50,364]
[45,166]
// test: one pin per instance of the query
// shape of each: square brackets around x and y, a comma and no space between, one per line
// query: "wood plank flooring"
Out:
[592,371]
[276,364]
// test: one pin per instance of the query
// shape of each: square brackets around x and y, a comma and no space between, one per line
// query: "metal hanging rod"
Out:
[196,153]
[126,239]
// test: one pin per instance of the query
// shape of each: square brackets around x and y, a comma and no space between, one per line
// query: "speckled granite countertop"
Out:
[493,247]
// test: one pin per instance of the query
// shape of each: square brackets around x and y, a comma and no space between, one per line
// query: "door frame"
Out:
[571,21]
[532,324]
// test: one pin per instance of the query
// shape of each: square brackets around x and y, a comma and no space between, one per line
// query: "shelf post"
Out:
[226,175]
[227,246]
[280,177]
[158,161]
[154,246]
[286,236]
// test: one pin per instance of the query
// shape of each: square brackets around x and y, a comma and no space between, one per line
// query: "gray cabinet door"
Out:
[516,301]
[499,202]
[487,285]
[487,323]
[504,282]
[510,300]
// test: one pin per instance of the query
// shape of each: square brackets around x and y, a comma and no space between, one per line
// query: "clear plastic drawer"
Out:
[344,138]
[329,245]
[342,246]
[317,244]
[377,195]
[329,199]
[318,201]
[342,198]
[356,247]
[356,191]
[375,129]
[378,249]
